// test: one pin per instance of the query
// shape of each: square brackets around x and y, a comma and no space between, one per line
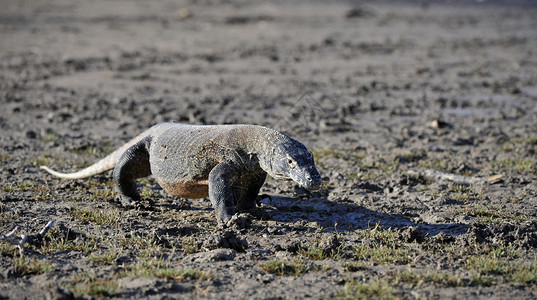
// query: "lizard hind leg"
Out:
[133,163]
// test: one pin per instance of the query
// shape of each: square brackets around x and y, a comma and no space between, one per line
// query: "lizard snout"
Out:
[313,179]
[314,182]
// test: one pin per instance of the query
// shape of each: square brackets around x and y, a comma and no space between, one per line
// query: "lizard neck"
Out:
[264,143]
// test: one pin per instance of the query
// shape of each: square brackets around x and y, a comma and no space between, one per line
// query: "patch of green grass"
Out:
[377,169]
[55,243]
[488,265]
[8,249]
[96,183]
[491,214]
[5,157]
[485,265]
[466,193]
[508,262]
[32,266]
[415,155]
[98,190]
[296,267]
[385,236]
[352,157]
[96,217]
[388,286]
[354,266]
[516,165]
[190,245]
[22,186]
[84,285]
[162,269]
[145,247]
[6,216]
[356,177]
[529,142]
[50,136]
[461,197]
[59,245]
[461,188]
[335,153]
[379,253]
[381,164]
[107,258]
[42,191]
[148,193]
[372,288]
[525,272]
[103,194]
[441,164]
[315,251]
[382,246]
[509,251]
[45,159]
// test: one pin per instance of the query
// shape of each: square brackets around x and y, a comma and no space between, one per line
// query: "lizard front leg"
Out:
[221,179]
[133,163]
[249,189]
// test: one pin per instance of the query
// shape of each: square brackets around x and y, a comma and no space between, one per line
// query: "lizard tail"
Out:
[111,160]
[104,164]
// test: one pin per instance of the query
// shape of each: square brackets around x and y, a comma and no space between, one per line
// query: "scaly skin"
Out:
[228,163]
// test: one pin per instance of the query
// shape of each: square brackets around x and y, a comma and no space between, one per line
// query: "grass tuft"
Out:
[33,266]
[373,288]
[296,267]
[382,246]
[96,217]
[83,285]
[159,268]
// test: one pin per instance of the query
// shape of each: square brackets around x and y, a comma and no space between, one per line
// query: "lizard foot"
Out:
[239,221]
[126,202]
[259,199]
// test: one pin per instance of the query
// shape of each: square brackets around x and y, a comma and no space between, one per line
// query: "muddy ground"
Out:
[422,118]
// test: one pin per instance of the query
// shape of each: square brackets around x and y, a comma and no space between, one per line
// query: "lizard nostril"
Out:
[308,177]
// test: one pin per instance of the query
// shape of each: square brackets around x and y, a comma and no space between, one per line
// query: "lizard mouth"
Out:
[280,176]
[315,185]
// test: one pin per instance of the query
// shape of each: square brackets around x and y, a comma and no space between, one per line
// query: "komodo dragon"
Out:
[228,163]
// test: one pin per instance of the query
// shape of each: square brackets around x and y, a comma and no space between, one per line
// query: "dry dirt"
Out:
[422,118]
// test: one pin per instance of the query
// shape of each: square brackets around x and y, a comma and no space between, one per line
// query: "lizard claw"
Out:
[261,197]
[239,221]
[126,202]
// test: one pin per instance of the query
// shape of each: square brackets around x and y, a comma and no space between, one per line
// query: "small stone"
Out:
[183,13]
[212,256]
[439,124]
[31,134]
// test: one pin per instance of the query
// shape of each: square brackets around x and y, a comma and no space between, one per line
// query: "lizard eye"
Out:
[291,161]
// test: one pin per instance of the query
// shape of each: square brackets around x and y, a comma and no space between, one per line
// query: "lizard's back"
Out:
[182,155]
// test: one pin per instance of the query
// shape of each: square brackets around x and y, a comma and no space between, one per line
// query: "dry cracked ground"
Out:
[422,118]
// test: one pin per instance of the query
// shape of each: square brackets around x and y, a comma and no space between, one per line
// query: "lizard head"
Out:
[294,161]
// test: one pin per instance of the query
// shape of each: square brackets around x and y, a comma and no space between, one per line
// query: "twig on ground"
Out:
[436,175]
[20,240]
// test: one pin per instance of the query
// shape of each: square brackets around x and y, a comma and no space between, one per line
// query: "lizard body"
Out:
[228,163]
